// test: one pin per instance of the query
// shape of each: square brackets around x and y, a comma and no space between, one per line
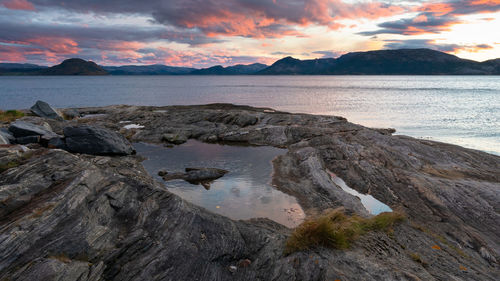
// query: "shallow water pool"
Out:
[243,193]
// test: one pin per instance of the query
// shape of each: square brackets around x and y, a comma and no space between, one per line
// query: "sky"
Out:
[203,33]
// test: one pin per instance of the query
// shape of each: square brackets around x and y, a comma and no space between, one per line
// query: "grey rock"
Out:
[203,176]
[45,110]
[71,113]
[64,215]
[28,139]
[23,129]
[175,138]
[57,142]
[197,175]
[6,136]
[96,141]
[4,140]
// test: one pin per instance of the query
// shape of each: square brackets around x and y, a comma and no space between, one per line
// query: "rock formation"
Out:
[71,216]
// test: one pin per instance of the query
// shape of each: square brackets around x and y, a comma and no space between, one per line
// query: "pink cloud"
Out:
[18,5]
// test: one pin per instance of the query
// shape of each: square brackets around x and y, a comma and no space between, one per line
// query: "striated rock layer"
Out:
[70,216]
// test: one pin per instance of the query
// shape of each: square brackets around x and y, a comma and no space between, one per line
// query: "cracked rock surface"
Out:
[67,216]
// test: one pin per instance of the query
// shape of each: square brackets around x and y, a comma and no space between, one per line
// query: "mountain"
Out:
[19,68]
[155,69]
[291,65]
[239,69]
[386,62]
[74,67]
[382,62]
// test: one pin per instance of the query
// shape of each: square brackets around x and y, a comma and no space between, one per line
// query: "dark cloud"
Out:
[435,17]
[249,18]
[431,44]
[327,54]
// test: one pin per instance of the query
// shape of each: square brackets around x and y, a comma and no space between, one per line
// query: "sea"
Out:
[463,110]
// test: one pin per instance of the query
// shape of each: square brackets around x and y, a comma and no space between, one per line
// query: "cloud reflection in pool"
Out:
[244,193]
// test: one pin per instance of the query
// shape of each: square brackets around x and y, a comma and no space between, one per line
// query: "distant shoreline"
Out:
[383,62]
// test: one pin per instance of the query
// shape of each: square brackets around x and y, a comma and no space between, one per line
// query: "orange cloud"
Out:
[485,2]
[18,5]
[438,9]
[57,45]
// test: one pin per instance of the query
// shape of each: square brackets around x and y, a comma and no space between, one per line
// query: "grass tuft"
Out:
[416,258]
[335,229]
[9,165]
[10,115]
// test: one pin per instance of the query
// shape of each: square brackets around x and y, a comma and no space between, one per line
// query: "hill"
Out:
[239,69]
[381,62]
[386,62]
[155,69]
[19,68]
[74,67]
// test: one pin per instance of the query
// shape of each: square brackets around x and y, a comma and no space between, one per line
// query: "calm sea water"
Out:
[464,110]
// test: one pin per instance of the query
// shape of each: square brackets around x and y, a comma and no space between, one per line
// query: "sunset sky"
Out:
[203,33]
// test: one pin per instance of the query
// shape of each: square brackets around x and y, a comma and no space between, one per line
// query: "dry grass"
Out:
[10,115]
[16,162]
[5,167]
[335,229]
[62,257]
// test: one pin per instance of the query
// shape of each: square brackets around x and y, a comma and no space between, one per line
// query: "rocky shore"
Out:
[77,204]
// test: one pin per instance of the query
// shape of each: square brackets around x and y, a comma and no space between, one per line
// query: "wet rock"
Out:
[203,176]
[198,175]
[212,138]
[45,110]
[168,176]
[162,173]
[96,141]
[24,129]
[175,138]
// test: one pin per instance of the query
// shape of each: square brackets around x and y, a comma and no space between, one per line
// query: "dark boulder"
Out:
[25,129]
[28,139]
[195,175]
[45,110]
[57,142]
[96,141]
[203,176]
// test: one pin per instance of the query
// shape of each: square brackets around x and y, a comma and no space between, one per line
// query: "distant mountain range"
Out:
[383,62]
[155,69]
[238,69]
[386,62]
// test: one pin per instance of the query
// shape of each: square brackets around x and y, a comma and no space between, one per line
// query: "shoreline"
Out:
[441,188]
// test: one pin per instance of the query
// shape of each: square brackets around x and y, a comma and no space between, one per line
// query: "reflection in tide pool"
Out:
[244,193]
[372,205]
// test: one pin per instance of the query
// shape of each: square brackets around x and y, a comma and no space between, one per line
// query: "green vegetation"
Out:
[15,162]
[335,229]
[6,166]
[416,257]
[10,115]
